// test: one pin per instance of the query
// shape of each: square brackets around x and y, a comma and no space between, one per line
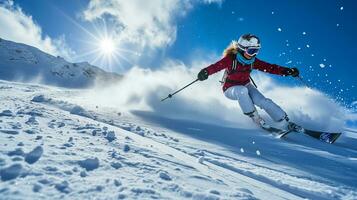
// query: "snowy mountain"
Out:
[55,145]
[25,63]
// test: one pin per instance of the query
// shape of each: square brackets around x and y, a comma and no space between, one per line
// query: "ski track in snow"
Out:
[53,146]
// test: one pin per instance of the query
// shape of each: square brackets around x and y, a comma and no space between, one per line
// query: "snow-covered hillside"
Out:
[54,145]
[21,62]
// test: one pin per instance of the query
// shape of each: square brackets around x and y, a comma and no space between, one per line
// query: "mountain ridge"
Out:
[25,63]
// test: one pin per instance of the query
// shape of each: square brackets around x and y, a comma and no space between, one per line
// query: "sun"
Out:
[107,46]
[103,46]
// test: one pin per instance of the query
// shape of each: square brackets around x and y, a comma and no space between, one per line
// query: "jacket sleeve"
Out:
[269,68]
[218,66]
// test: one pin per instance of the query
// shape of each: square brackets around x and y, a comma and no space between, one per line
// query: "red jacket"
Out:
[241,75]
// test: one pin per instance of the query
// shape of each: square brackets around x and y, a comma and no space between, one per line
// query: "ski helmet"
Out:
[249,44]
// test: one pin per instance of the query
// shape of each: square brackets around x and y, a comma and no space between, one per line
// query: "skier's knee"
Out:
[241,92]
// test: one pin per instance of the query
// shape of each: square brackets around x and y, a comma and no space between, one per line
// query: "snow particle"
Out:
[341,8]
[304,33]
[242,150]
[308,46]
[279,29]
[322,65]
[258,152]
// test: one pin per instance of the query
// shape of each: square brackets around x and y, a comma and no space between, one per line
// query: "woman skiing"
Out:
[239,59]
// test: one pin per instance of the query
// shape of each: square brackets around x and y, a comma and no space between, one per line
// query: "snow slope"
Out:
[25,63]
[54,145]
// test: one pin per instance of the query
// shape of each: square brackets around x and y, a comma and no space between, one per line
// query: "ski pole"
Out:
[170,95]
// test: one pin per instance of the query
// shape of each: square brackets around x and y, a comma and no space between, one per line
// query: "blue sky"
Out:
[318,37]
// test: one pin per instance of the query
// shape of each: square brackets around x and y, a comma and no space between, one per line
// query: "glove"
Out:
[202,75]
[294,72]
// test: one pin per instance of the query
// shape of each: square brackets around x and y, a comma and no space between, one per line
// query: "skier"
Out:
[239,59]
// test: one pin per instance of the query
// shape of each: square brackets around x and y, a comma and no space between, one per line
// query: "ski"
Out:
[328,137]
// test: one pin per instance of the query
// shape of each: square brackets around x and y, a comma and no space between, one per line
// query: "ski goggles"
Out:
[252,51]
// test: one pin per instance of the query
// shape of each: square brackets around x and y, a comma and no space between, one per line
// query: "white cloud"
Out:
[213,1]
[145,23]
[19,27]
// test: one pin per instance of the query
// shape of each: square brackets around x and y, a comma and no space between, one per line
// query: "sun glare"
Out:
[107,46]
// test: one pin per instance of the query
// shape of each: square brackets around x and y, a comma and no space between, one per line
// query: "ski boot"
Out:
[291,126]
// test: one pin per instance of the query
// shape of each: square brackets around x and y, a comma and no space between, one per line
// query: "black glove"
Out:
[202,75]
[294,72]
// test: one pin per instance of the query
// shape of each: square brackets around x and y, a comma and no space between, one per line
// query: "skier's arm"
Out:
[270,68]
[218,66]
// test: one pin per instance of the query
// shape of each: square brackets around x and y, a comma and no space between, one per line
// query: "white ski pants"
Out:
[248,96]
